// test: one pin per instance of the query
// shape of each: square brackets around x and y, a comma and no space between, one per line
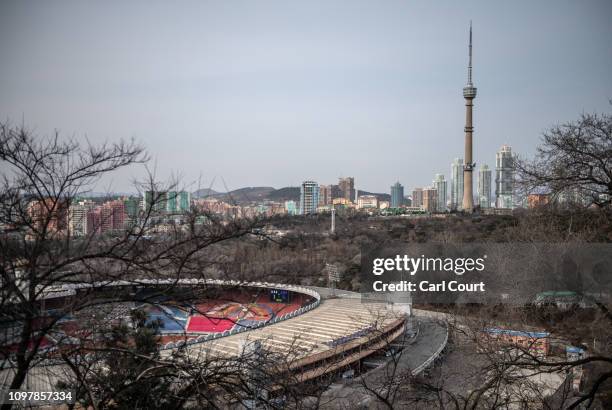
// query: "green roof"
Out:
[553,293]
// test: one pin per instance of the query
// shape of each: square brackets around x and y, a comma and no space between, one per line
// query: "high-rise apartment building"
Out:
[430,199]
[155,201]
[111,216]
[347,187]
[440,185]
[309,197]
[504,178]
[132,209]
[173,202]
[50,214]
[484,186]
[77,217]
[327,193]
[397,195]
[94,221]
[417,197]
[178,202]
[117,214]
[456,194]
[324,195]
[336,192]
[172,206]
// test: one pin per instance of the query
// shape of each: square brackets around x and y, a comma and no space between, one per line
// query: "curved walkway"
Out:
[416,355]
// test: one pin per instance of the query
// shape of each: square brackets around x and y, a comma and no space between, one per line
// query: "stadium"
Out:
[323,332]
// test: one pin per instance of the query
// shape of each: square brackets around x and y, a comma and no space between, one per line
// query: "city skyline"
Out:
[374,86]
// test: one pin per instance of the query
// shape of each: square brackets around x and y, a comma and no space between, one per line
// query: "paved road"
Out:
[432,335]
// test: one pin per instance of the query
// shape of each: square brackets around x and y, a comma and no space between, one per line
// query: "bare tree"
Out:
[574,162]
[497,360]
[41,177]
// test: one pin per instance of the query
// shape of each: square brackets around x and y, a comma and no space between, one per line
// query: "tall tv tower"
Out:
[469,93]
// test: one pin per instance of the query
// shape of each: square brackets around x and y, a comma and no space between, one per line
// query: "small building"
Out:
[413,210]
[534,342]
[367,202]
[291,207]
[537,200]
[563,299]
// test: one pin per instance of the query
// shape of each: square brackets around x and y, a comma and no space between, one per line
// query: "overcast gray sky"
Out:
[275,92]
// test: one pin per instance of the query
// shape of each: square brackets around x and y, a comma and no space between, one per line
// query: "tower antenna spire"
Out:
[470,63]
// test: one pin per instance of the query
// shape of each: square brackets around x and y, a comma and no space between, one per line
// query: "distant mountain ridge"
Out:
[258,194]
[240,195]
[106,194]
[204,192]
[290,193]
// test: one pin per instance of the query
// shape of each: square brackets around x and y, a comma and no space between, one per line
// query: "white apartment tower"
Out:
[484,186]
[77,217]
[456,194]
[440,185]
[309,197]
[504,178]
